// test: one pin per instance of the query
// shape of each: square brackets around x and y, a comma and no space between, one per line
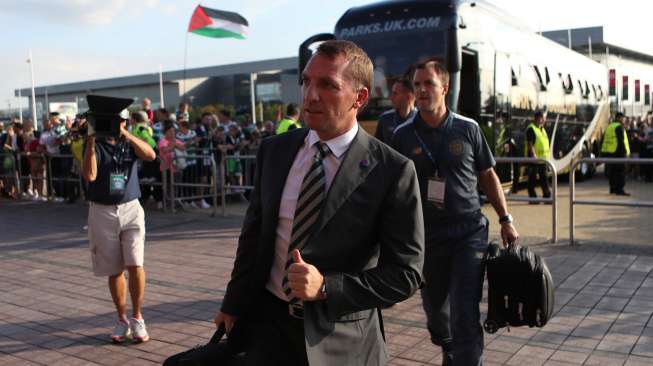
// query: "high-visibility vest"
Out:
[541,144]
[610,139]
[285,124]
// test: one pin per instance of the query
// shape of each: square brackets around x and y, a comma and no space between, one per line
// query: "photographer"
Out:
[116,224]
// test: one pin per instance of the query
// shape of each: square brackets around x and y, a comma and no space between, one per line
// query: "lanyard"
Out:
[425,148]
[119,155]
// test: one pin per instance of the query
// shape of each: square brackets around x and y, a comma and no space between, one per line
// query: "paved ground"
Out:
[54,312]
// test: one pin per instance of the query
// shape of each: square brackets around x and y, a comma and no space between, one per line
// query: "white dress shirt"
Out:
[300,166]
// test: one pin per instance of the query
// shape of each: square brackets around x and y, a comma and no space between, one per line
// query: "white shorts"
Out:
[117,237]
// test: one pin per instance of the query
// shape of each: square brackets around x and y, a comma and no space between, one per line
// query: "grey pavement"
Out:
[53,311]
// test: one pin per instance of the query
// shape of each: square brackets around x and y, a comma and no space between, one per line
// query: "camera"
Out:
[105,115]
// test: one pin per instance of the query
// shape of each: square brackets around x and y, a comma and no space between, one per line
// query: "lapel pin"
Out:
[364,163]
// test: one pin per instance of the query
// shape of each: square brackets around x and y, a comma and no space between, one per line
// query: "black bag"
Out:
[520,288]
[218,352]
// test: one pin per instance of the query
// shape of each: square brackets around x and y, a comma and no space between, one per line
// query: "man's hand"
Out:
[304,279]
[123,129]
[509,234]
[227,319]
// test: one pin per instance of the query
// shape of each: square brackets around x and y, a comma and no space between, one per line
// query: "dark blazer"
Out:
[368,243]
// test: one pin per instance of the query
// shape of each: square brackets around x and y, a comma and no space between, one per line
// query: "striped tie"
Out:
[309,203]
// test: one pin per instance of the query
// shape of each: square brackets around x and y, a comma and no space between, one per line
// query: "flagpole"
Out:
[252,78]
[161,86]
[20,107]
[31,68]
[47,104]
[185,58]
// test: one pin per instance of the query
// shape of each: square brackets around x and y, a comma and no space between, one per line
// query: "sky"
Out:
[78,40]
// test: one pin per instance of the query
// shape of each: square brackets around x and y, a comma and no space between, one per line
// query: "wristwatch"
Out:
[505,219]
[323,290]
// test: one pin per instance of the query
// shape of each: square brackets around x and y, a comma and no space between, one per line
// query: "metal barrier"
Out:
[63,176]
[572,189]
[31,171]
[554,190]
[194,180]
[237,175]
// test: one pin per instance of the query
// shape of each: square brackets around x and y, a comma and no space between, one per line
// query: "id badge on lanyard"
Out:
[118,179]
[437,184]
[117,183]
[435,191]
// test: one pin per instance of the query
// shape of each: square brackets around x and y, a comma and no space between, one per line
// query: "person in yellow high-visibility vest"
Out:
[615,145]
[537,146]
[291,121]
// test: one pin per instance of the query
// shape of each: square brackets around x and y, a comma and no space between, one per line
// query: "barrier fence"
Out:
[237,173]
[572,189]
[193,182]
[553,200]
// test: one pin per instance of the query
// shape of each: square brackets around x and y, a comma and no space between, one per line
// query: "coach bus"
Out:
[501,72]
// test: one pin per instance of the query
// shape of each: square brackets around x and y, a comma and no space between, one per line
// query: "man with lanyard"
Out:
[403,102]
[116,223]
[615,145]
[452,157]
[537,146]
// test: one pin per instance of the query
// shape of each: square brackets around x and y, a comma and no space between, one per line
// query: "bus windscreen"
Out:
[393,57]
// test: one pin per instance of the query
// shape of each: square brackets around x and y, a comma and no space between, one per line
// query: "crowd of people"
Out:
[640,136]
[49,161]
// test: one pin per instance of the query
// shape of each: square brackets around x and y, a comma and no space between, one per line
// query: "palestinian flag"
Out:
[217,23]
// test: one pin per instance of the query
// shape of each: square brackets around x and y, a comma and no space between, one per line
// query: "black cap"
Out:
[106,113]
[618,115]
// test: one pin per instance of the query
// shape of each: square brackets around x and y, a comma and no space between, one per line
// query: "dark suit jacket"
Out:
[368,242]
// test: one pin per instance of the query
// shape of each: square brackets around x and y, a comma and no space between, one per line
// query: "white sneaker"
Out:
[139,330]
[58,199]
[42,199]
[193,205]
[203,204]
[25,196]
[121,332]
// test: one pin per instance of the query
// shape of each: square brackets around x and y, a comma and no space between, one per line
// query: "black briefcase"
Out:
[520,288]
[219,351]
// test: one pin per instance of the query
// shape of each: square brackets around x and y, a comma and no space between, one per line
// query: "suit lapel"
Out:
[356,165]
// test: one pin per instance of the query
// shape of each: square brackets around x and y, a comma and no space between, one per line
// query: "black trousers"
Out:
[278,338]
[537,173]
[56,176]
[616,175]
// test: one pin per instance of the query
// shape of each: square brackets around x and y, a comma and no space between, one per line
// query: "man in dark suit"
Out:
[333,232]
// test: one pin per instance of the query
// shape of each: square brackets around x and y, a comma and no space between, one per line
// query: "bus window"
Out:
[393,58]
[580,89]
[514,77]
[546,75]
[539,78]
[567,84]
[587,90]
